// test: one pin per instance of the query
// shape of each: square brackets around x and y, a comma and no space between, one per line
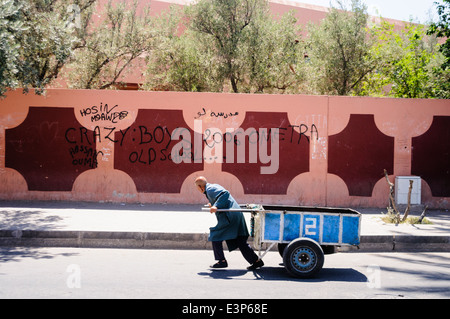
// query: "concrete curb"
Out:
[405,243]
[151,240]
[102,239]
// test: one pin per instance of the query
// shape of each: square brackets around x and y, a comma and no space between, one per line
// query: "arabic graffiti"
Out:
[224,115]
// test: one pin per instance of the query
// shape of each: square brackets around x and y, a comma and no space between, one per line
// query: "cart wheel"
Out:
[303,258]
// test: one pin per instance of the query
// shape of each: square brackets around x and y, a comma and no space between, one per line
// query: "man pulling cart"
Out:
[303,234]
[231,226]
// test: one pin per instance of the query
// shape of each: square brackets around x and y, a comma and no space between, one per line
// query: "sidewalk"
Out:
[156,226]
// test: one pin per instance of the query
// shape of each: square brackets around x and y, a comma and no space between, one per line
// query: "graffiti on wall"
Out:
[293,153]
[144,152]
[50,149]
[104,113]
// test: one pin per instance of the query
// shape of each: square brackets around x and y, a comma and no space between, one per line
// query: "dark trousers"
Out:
[243,246]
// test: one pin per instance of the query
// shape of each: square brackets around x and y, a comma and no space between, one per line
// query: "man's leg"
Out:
[246,250]
[218,250]
[219,255]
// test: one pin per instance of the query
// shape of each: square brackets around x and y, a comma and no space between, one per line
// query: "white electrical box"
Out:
[402,189]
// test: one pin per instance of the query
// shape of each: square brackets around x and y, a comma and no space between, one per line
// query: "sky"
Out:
[419,10]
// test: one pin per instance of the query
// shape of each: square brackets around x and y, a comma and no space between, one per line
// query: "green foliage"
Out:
[274,55]
[36,41]
[108,48]
[404,62]
[339,50]
[176,61]
[224,23]
[234,42]
[440,71]
[442,30]
[10,25]
[409,73]
[46,44]
[221,45]
[439,77]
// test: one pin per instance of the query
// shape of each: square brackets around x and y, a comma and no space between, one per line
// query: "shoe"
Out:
[220,264]
[257,264]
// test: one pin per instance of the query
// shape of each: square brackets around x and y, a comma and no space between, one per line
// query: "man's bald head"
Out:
[201,181]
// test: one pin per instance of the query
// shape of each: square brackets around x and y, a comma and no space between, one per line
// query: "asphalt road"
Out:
[185,274]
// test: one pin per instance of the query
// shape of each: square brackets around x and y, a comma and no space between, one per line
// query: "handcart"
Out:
[303,234]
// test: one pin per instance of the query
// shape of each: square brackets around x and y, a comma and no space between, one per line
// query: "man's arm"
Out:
[221,202]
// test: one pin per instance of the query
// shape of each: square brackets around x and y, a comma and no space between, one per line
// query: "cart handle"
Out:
[243,210]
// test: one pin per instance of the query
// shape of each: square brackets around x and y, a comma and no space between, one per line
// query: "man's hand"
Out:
[213,209]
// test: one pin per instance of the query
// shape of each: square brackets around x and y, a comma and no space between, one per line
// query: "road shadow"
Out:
[16,254]
[28,219]
[42,205]
[280,274]
[433,268]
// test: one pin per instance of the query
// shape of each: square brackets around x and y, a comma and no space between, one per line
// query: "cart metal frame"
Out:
[302,233]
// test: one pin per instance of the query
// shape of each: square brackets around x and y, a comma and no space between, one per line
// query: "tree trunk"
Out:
[234,84]
[408,208]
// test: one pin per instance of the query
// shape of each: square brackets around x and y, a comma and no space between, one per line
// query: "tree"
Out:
[10,25]
[442,30]
[404,61]
[177,62]
[409,73]
[384,50]
[212,43]
[225,23]
[36,40]
[338,49]
[274,55]
[107,50]
[440,75]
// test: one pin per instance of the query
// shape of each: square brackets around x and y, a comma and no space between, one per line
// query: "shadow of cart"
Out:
[280,274]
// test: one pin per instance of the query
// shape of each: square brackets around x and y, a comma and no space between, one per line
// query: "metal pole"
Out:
[243,210]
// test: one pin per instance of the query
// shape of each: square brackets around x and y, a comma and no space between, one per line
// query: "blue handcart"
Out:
[303,234]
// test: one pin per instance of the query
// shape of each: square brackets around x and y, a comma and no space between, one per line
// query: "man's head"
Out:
[200,183]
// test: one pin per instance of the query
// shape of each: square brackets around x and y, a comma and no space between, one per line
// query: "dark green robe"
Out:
[230,225]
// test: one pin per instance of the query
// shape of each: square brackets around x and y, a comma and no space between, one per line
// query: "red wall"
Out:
[116,145]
